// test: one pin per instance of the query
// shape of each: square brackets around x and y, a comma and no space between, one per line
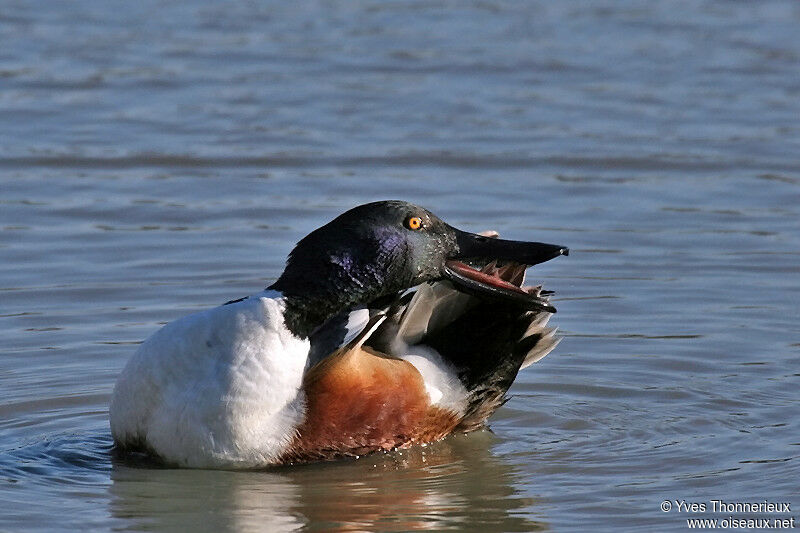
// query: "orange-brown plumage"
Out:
[359,400]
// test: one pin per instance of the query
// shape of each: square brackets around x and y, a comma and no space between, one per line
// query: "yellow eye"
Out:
[414,223]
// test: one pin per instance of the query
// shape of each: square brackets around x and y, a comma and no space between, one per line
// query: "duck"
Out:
[387,328]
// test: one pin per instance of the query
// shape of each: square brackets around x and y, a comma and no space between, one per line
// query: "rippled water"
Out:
[157,158]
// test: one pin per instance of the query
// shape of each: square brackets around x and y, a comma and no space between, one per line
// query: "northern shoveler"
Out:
[387,328]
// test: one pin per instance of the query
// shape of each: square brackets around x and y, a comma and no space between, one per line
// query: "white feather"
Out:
[219,388]
[444,388]
[544,346]
[356,321]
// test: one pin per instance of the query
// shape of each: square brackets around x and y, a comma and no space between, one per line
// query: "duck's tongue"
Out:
[488,275]
[500,283]
[495,283]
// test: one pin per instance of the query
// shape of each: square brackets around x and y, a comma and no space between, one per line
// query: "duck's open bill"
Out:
[472,246]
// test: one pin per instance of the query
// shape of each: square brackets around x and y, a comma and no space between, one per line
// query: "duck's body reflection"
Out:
[455,483]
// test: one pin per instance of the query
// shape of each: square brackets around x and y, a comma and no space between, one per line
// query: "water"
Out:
[160,158]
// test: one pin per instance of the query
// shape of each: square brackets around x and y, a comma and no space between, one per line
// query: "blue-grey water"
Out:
[158,158]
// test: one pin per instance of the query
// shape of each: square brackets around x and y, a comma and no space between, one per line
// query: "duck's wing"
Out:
[483,343]
[340,330]
[336,333]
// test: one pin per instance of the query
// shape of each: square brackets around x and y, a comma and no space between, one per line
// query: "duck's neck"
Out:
[304,315]
[310,303]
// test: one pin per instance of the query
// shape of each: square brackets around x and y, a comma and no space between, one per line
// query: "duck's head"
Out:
[382,248]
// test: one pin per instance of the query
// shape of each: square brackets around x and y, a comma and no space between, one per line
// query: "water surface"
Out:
[161,158]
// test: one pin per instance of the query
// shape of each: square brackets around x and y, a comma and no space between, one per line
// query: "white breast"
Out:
[444,388]
[220,388]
